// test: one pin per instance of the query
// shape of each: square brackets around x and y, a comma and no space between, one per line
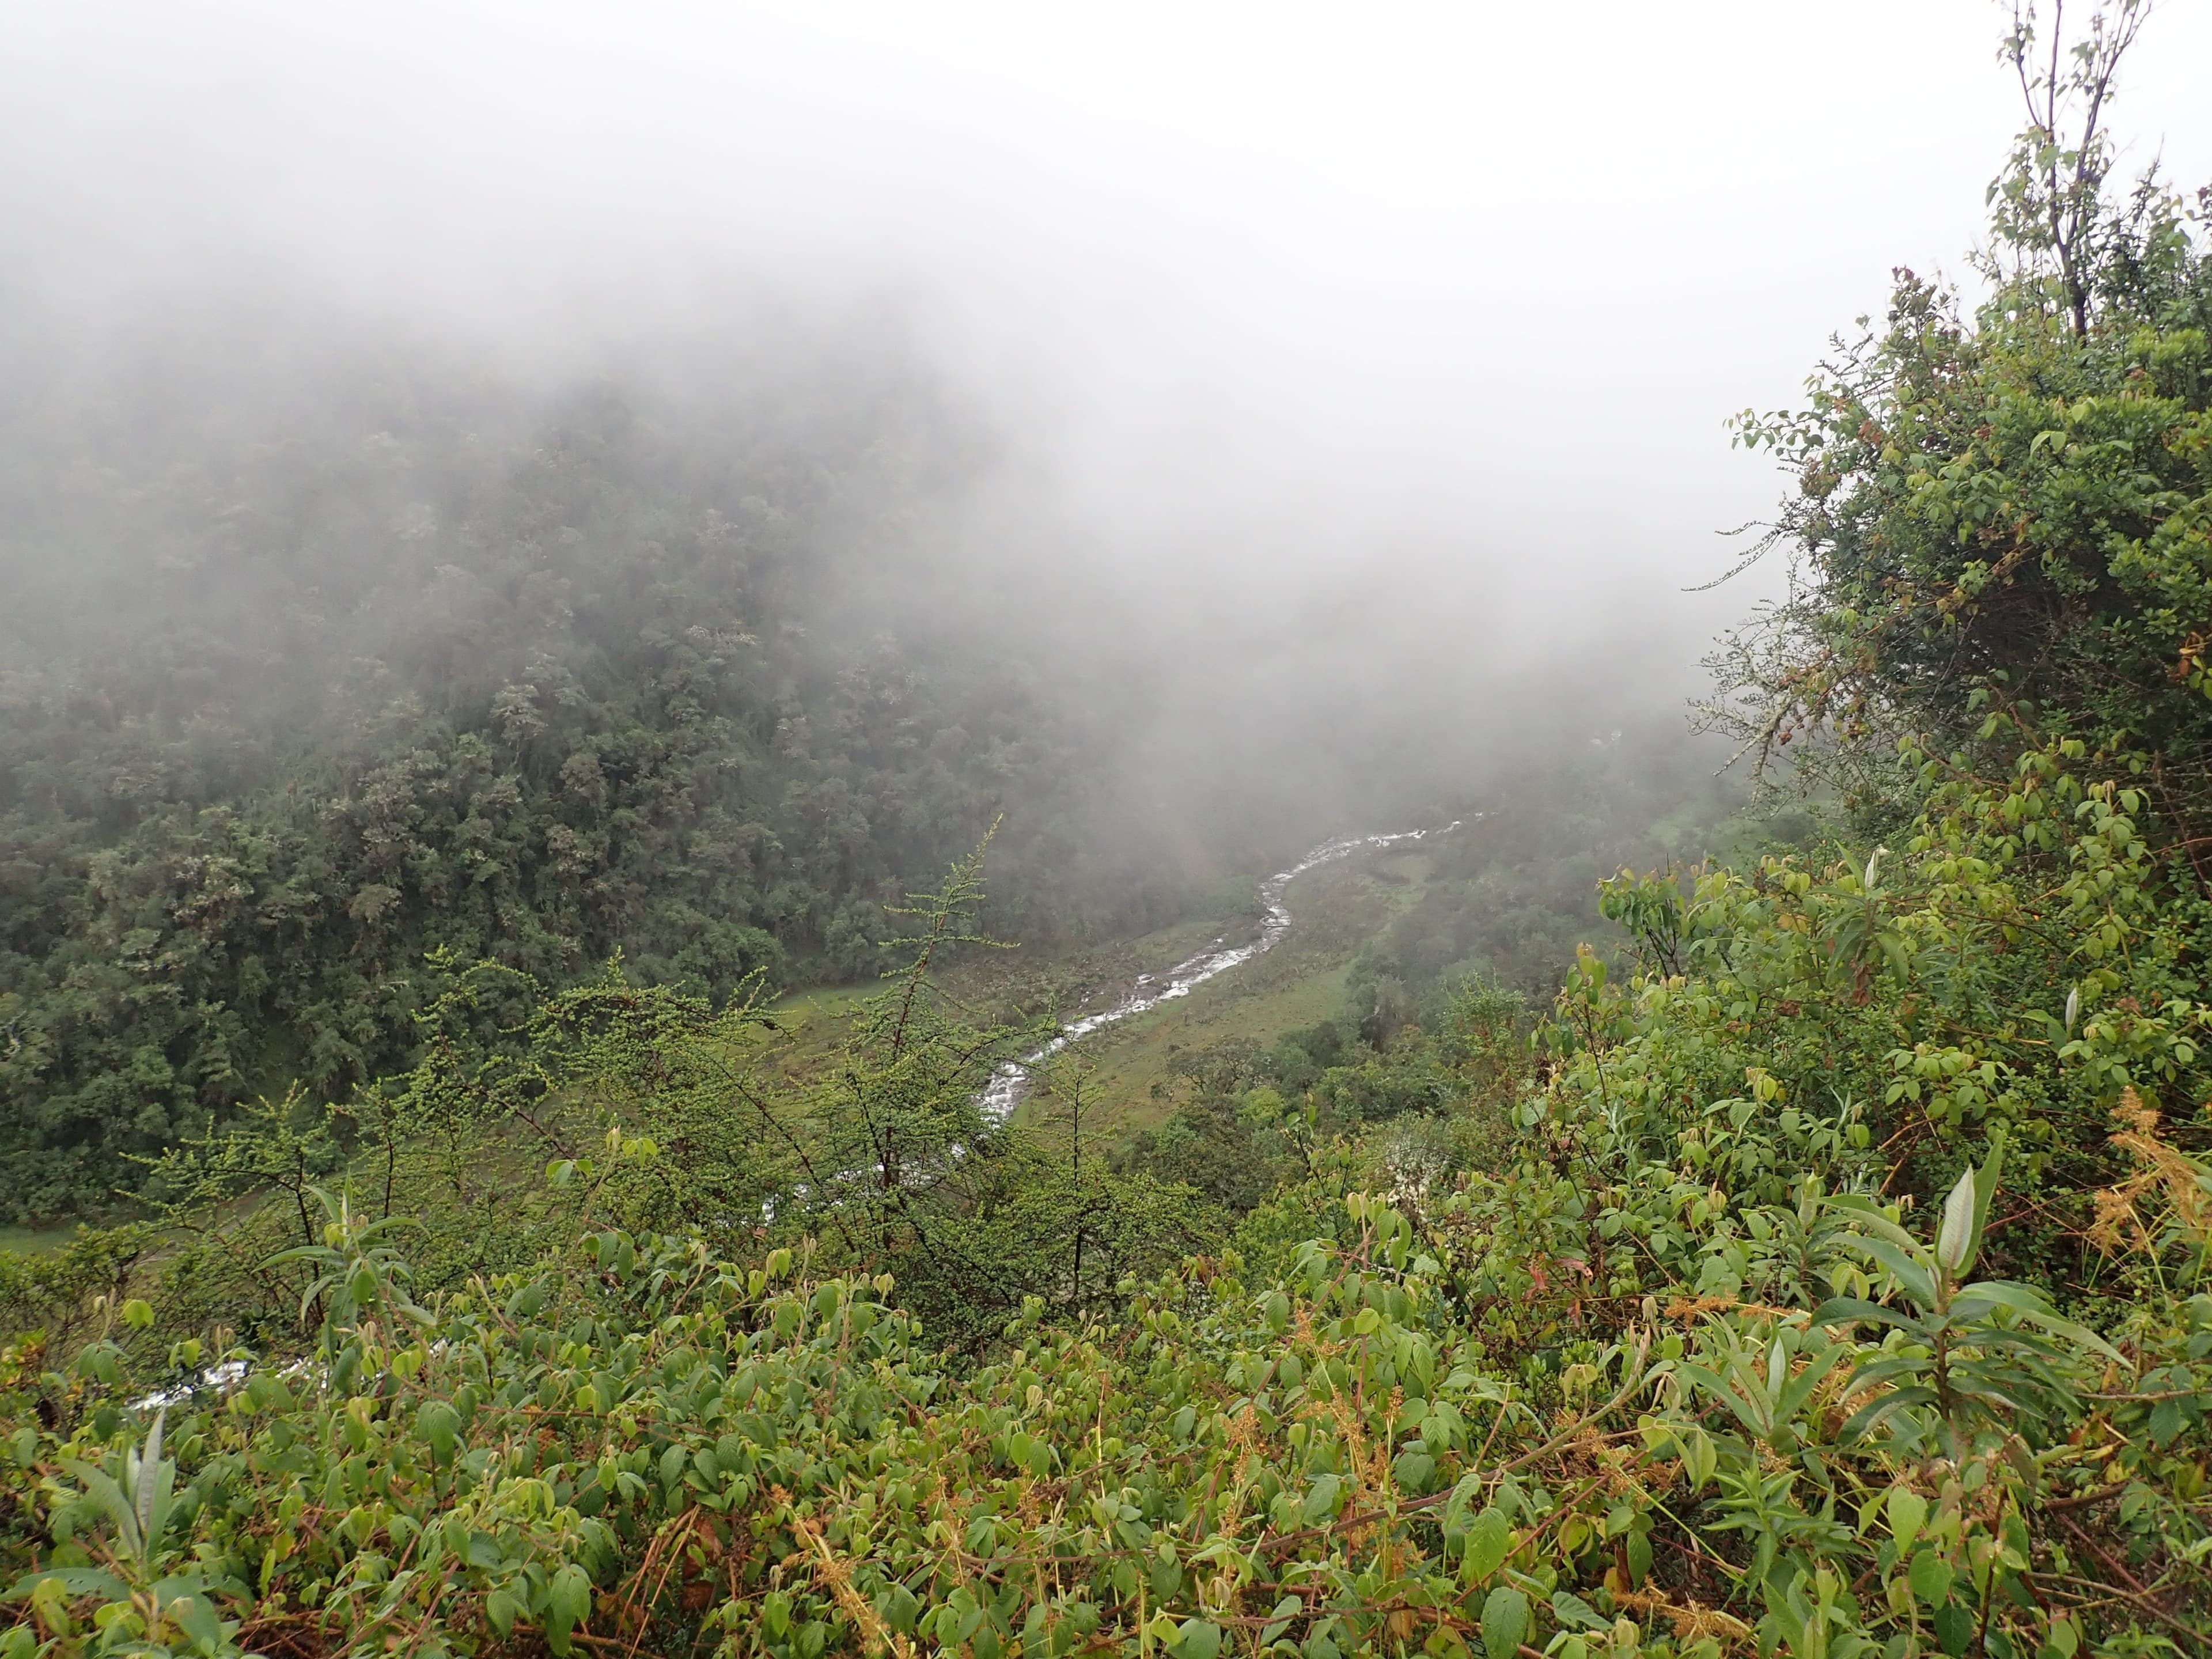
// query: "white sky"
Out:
[1323,287]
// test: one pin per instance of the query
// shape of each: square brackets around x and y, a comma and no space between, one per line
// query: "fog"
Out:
[1349,371]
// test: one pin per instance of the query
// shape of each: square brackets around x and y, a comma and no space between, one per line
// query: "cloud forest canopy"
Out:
[310,668]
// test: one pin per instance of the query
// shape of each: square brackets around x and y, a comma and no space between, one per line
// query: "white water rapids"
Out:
[1011,1083]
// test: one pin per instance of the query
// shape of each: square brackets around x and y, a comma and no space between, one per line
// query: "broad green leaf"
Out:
[1575,1613]
[1917,1280]
[1955,1628]
[1488,1542]
[1504,1622]
[2166,1421]
[1320,1500]
[1867,1420]
[77,1581]
[1931,1576]
[196,1615]
[1908,1512]
[439,1426]
[567,1603]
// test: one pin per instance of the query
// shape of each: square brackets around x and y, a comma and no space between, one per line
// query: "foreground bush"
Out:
[641,1447]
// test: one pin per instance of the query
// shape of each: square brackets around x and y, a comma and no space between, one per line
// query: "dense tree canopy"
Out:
[280,711]
[2005,520]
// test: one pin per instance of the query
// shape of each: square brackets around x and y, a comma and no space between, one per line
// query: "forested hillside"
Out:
[371,659]
[1820,1271]
[330,662]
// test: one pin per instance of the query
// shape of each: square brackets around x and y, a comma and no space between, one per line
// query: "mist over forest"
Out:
[1149,830]
[334,645]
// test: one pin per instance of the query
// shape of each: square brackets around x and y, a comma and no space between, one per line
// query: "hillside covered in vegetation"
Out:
[373,660]
[1819,1272]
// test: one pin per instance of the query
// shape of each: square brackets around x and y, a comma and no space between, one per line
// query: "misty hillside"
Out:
[372,663]
[334,668]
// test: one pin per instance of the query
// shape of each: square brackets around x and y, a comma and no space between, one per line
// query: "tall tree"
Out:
[2003,518]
